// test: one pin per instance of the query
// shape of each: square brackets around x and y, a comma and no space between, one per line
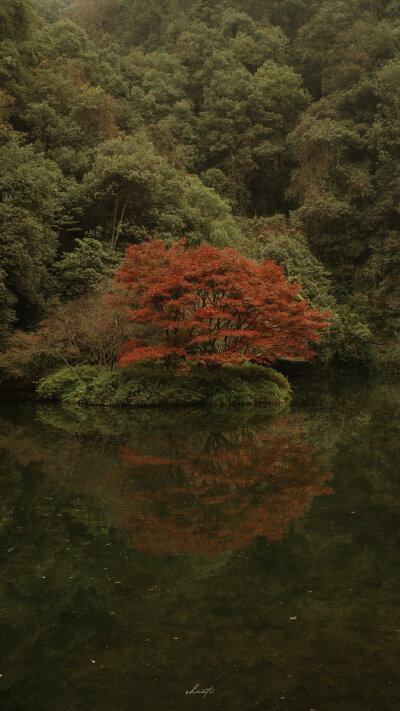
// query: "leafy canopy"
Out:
[214,306]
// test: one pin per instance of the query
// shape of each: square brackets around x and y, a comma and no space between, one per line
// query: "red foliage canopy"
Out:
[214,306]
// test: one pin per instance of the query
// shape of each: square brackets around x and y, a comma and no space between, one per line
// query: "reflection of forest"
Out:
[205,486]
[74,589]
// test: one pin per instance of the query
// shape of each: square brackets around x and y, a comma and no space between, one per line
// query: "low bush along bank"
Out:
[145,386]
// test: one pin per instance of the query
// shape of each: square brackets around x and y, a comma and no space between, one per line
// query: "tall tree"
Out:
[131,191]
[30,203]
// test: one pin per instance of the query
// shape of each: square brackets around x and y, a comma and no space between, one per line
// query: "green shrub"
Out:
[148,386]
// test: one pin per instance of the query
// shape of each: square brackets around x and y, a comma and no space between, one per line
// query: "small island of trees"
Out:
[190,308]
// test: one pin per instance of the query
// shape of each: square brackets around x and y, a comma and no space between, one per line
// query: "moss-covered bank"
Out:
[144,386]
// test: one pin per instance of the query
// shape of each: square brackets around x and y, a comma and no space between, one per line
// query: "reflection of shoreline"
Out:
[184,484]
[222,498]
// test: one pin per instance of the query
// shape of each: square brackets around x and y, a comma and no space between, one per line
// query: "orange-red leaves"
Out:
[214,306]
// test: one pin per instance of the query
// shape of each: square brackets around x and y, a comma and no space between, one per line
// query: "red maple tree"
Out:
[215,306]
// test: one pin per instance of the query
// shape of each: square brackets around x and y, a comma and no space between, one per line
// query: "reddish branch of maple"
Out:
[214,306]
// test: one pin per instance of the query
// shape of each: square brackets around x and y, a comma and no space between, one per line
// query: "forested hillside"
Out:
[271,126]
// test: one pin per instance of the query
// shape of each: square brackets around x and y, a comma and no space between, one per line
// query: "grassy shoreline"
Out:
[147,386]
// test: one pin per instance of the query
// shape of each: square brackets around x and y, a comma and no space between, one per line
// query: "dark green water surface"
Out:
[254,551]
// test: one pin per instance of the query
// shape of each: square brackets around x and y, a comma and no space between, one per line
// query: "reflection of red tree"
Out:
[223,497]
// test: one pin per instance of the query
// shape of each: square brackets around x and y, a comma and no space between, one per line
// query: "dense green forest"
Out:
[271,126]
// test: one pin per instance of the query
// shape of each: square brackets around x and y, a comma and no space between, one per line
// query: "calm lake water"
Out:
[251,551]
